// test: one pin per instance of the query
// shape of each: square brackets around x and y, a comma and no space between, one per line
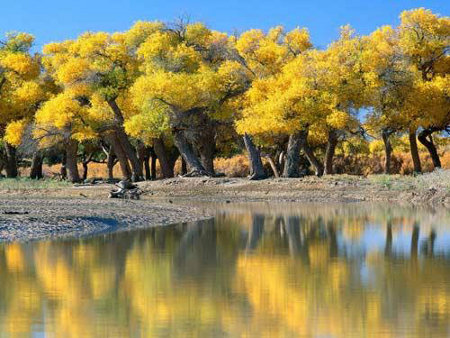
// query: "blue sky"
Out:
[52,20]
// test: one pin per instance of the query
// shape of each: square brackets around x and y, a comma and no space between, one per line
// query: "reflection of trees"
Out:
[415,241]
[428,245]
[388,246]
[196,250]
[286,273]
[256,231]
[292,226]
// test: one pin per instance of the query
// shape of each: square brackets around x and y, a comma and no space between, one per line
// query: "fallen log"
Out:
[126,190]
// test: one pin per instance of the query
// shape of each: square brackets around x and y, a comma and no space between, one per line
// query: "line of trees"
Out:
[161,91]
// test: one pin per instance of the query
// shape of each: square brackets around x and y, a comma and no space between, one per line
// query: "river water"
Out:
[255,270]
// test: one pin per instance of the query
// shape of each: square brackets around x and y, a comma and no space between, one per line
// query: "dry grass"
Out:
[26,184]
[236,166]
[438,179]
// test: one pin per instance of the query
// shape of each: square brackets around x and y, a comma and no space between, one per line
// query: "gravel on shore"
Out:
[31,218]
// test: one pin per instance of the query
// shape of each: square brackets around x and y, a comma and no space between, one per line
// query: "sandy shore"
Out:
[30,218]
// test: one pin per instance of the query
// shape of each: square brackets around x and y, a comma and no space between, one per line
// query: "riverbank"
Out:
[39,210]
[431,188]
[25,218]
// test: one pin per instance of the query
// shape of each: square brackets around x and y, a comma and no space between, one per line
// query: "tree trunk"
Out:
[110,163]
[163,158]
[207,159]
[388,150]
[200,132]
[205,144]
[36,166]
[318,167]
[11,161]
[183,166]
[292,161]
[87,158]
[148,174]
[203,141]
[329,153]
[116,145]
[144,158]
[425,137]
[185,149]
[130,152]
[84,174]
[71,161]
[127,147]
[256,166]
[272,165]
[63,170]
[153,166]
[414,151]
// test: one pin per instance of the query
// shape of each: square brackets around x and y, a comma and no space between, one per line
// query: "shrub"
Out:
[236,166]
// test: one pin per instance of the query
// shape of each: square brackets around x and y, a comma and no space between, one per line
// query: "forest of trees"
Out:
[158,91]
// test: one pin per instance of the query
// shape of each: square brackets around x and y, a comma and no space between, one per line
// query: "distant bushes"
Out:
[238,165]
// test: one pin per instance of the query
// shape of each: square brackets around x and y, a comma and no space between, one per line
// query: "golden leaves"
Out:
[424,36]
[14,132]
[198,34]
[72,71]
[20,64]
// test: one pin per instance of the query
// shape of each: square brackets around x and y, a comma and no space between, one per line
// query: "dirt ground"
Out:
[428,189]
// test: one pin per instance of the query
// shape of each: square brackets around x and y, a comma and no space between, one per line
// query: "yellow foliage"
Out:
[338,119]
[20,63]
[74,70]
[14,132]
[140,31]
[198,34]
[59,111]
[21,89]
[298,40]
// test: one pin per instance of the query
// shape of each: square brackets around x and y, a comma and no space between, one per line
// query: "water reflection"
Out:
[255,270]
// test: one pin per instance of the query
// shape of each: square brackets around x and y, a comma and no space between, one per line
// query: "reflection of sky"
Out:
[373,240]
[442,241]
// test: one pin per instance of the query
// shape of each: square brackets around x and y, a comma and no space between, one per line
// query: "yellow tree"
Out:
[313,92]
[186,84]
[264,56]
[64,120]
[288,103]
[346,83]
[20,92]
[391,81]
[97,70]
[424,38]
